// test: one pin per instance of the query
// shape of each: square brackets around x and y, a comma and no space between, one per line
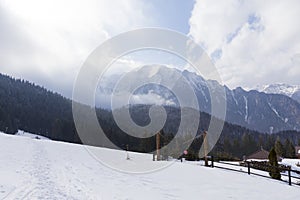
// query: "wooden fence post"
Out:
[205,148]
[290,178]
[158,146]
[127,149]
[248,163]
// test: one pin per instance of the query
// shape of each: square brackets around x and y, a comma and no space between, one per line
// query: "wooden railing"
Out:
[255,171]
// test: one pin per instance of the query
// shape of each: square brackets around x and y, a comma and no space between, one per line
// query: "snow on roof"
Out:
[297,149]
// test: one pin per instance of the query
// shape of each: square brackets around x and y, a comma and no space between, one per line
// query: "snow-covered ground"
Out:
[30,135]
[292,162]
[236,166]
[44,169]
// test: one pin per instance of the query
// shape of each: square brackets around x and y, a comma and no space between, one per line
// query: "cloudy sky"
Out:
[251,42]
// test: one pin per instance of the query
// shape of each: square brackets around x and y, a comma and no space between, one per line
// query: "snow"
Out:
[233,96]
[279,88]
[45,169]
[277,114]
[151,73]
[197,82]
[236,166]
[292,162]
[246,108]
[30,135]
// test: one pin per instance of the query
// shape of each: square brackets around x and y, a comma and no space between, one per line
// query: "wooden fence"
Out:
[253,171]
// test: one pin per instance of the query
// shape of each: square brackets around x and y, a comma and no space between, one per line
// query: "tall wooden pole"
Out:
[158,146]
[205,147]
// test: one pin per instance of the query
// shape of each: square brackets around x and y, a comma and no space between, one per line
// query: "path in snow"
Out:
[40,169]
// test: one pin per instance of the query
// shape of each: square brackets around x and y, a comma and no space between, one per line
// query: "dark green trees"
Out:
[289,149]
[274,170]
[279,148]
[249,144]
[34,109]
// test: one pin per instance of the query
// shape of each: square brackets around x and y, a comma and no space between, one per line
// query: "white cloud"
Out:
[251,42]
[150,98]
[47,41]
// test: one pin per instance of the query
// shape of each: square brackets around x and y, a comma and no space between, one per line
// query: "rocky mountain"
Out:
[29,107]
[292,91]
[252,109]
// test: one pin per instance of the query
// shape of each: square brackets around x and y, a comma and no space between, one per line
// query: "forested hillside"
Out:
[23,105]
[28,107]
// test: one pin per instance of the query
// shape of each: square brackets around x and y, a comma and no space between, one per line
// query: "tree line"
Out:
[28,107]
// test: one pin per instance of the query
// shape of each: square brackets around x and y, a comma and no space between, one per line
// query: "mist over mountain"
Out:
[252,109]
[31,108]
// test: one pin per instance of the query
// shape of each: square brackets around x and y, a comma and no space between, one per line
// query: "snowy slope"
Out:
[292,91]
[250,109]
[30,135]
[292,162]
[44,169]
[279,88]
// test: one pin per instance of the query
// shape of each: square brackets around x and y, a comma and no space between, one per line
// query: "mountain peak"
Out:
[292,91]
[279,88]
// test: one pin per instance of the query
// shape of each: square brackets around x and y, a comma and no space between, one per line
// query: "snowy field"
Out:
[292,162]
[30,135]
[44,169]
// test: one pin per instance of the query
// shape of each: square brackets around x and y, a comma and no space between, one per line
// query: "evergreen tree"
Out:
[279,148]
[289,149]
[236,148]
[270,142]
[274,171]
[146,145]
[248,144]
[34,109]
[261,141]
[227,146]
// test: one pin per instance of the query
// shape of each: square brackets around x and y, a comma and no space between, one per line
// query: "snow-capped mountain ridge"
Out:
[292,91]
[252,109]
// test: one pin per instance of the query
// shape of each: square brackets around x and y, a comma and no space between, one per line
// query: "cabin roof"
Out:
[260,154]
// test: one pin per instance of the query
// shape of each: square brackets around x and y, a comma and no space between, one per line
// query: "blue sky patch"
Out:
[216,55]
[231,36]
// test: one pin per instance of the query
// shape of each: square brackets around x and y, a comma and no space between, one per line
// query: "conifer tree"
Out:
[279,148]
[289,149]
[274,171]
